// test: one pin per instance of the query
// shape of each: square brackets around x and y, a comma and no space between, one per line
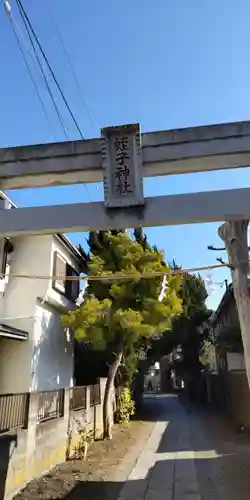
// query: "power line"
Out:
[8,9]
[43,74]
[37,61]
[27,26]
[17,34]
[34,83]
[24,15]
[117,276]
[67,56]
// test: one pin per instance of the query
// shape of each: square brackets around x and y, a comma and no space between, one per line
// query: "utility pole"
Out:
[234,234]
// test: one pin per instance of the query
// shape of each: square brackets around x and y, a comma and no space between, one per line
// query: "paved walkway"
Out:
[189,456]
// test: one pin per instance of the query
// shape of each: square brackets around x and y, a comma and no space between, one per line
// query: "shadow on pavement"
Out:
[107,490]
[103,490]
[153,407]
[111,490]
[200,434]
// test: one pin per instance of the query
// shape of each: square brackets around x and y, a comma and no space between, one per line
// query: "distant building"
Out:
[228,385]
[226,335]
[152,378]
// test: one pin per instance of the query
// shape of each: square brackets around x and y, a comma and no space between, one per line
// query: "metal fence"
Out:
[78,400]
[50,405]
[14,407]
[13,411]
[95,395]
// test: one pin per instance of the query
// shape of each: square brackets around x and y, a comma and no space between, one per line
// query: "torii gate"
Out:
[196,149]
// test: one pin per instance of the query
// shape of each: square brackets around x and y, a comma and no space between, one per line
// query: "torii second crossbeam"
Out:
[158,211]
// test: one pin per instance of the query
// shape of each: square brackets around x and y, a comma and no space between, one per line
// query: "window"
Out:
[70,289]
[59,270]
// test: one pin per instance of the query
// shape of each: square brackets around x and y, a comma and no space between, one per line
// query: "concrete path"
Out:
[165,469]
[192,454]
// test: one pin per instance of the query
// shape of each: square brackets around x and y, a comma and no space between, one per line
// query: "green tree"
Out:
[186,329]
[189,329]
[121,314]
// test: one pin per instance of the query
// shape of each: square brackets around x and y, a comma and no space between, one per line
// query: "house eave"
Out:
[12,333]
[72,248]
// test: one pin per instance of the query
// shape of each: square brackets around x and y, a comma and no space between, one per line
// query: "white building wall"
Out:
[15,367]
[45,360]
[52,365]
[31,255]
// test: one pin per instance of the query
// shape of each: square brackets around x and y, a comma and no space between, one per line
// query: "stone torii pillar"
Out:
[235,236]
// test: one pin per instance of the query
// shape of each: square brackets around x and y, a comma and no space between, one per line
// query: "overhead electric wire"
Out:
[117,276]
[67,56]
[28,27]
[36,59]
[44,75]
[24,15]
[18,35]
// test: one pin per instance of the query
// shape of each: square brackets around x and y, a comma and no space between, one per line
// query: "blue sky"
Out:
[165,64]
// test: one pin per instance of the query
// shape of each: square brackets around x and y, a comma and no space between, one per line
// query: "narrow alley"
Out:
[192,454]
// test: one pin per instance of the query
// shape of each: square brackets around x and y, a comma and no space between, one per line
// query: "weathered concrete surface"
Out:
[232,204]
[178,151]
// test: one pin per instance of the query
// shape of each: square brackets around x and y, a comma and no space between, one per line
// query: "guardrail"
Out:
[78,400]
[50,405]
[95,395]
[14,408]
[13,411]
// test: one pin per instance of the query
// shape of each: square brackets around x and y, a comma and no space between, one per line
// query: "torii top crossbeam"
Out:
[196,149]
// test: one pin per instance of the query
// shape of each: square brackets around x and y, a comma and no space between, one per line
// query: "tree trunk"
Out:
[107,424]
[234,235]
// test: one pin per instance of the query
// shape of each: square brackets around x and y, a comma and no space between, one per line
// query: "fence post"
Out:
[87,403]
[66,396]
[94,424]
[32,423]
[27,407]
[112,401]
[99,408]
[64,401]
[102,384]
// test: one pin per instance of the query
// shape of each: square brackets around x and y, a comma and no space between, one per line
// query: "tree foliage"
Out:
[119,313]
[189,328]
[186,329]
[122,315]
